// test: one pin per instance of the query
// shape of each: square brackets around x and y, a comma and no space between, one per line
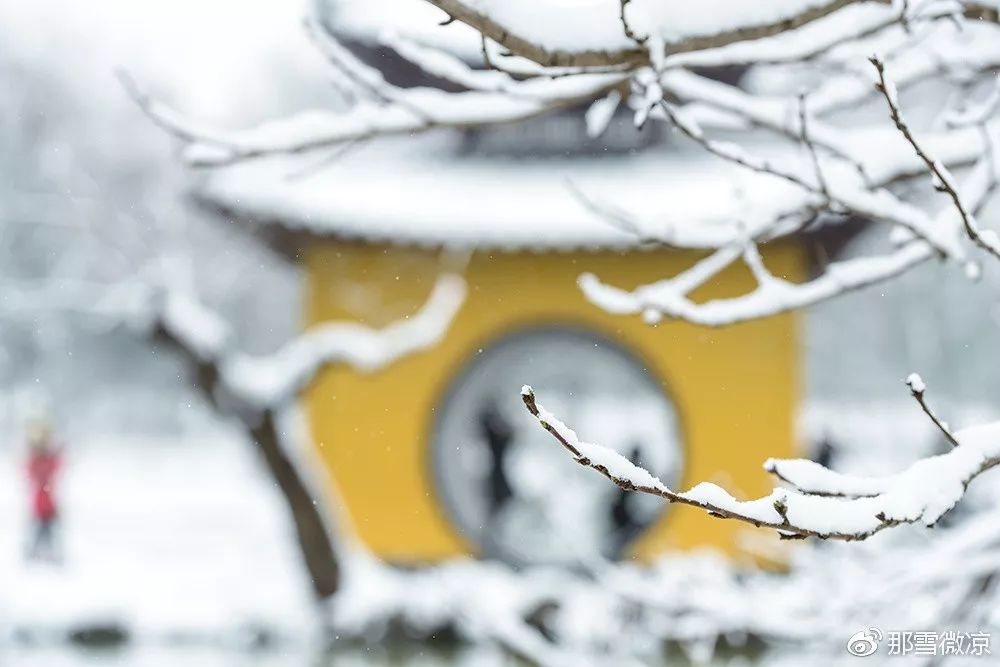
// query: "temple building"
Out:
[434,456]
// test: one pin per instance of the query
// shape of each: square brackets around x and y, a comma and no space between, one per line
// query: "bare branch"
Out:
[987,240]
[813,156]
[917,389]
[771,113]
[732,152]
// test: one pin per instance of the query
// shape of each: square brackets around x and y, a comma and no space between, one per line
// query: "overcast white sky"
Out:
[209,56]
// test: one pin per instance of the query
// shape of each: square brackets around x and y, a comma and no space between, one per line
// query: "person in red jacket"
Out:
[44,461]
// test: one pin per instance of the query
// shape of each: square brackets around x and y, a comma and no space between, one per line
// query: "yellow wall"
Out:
[735,388]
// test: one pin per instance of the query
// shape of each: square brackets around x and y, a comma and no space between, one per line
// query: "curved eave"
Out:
[290,235]
[427,196]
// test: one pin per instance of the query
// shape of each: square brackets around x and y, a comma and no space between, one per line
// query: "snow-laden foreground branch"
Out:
[616,32]
[382,109]
[538,58]
[821,503]
[865,198]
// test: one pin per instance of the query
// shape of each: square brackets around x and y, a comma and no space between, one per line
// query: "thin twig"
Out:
[917,389]
[733,153]
[942,179]
[804,129]
[627,27]
[735,156]
[330,49]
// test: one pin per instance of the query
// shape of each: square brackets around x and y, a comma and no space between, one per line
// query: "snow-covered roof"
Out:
[419,192]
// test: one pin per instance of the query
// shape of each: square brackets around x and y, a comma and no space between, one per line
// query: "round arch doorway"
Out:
[510,488]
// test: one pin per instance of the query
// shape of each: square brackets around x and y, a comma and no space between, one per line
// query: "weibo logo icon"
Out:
[864,642]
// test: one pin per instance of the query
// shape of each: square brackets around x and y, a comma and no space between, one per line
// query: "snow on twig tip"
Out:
[915,383]
[917,390]
[600,113]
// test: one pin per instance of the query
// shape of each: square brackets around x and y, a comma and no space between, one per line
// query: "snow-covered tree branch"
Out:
[260,390]
[821,503]
[261,383]
[632,32]
[847,178]
[383,108]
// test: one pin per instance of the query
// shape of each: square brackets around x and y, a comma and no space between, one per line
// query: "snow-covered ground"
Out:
[183,543]
[167,538]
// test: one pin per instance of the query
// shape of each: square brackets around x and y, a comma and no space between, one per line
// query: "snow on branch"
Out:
[732,152]
[976,114]
[494,97]
[776,114]
[264,382]
[853,22]
[943,181]
[823,503]
[161,303]
[780,216]
[696,602]
[911,66]
[847,193]
[672,297]
[386,109]
[598,33]
[279,376]
[195,326]
[721,104]
[447,66]
[832,189]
